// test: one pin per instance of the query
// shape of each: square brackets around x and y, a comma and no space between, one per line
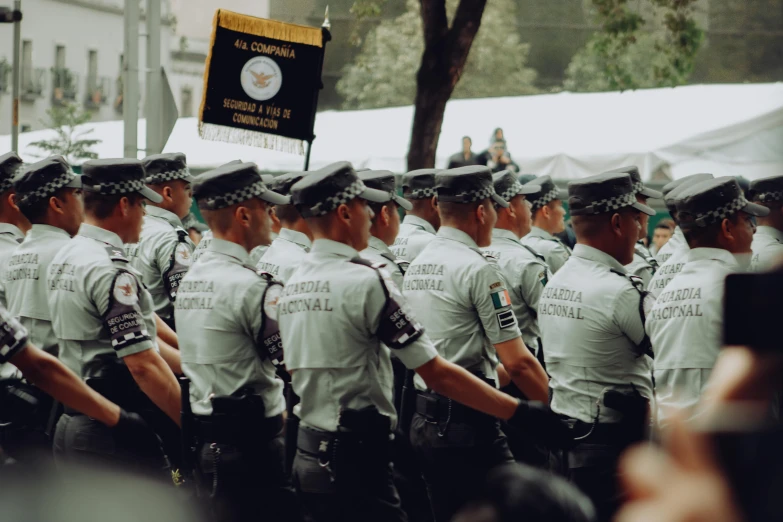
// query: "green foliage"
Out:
[384,72]
[653,47]
[69,142]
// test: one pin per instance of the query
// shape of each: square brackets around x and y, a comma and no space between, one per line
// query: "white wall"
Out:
[79,25]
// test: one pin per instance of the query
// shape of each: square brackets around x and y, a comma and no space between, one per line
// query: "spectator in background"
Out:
[466,157]
[498,158]
[662,233]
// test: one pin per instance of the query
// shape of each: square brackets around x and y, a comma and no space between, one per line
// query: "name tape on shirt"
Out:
[501,299]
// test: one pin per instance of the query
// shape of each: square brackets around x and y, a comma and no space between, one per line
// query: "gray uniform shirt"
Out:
[526,275]
[591,326]
[206,239]
[99,307]
[461,299]
[329,316]
[685,327]
[379,252]
[224,298]
[675,243]
[284,254]
[415,234]
[554,251]
[27,292]
[10,238]
[668,270]
[642,264]
[767,248]
[258,252]
[163,255]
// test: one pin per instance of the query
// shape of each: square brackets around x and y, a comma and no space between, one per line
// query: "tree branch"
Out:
[433,16]
[467,21]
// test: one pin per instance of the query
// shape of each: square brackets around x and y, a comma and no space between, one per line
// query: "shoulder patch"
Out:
[543,278]
[116,254]
[506,319]
[500,298]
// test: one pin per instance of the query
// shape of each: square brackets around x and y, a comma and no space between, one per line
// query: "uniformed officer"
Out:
[675,257]
[593,331]
[164,251]
[525,270]
[548,219]
[339,316]
[206,236]
[13,224]
[294,240]
[644,264]
[260,250]
[686,323]
[385,222]
[104,320]
[768,240]
[463,302]
[420,223]
[231,351]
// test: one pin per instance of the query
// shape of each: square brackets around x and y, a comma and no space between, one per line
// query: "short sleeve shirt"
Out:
[675,243]
[284,254]
[767,248]
[329,317]
[13,336]
[554,251]
[462,301]
[526,275]
[415,233]
[224,295]
[591,328]
[162,256]
[10,238]
[641,268]
[379,252]
[27,292]
[89,280]
[666,272]
[685,327]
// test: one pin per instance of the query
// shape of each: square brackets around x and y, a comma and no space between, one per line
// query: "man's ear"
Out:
[616,221]
[56,205]
[385,215]
[481,214]
[344,213]
[727,229]
[11,200]
[124,206]
[242,216]
[168,192]
[435,203]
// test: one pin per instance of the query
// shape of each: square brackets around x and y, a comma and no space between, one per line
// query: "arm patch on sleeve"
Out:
[270,343]
[506,319]
[179,264]
[13,336]
[124,319]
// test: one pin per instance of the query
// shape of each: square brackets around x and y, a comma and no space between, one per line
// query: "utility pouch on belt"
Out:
[634,408]
[241,404]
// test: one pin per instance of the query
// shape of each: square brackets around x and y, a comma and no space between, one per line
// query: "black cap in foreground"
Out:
[507,186]
[419,184]
[117,176]
[232,184]
[549,192]
[602,194]
[712,201]
[673,189]
[323,190]
[467,185]
[10,165]
[282,184]
[766,189]
[42,179]
[385,181]
[161,168]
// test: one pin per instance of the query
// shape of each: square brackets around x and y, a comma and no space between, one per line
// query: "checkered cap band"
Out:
[473,195]
[117,187]
[48,189]
[7,183]
[511,191]
[546,198]
[613,203]
[160,177]
[721,213]
[332,202]
[423,193]
[638,187]
[770,196]
[232,198]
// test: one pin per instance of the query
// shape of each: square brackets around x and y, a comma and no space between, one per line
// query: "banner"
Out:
[261,82]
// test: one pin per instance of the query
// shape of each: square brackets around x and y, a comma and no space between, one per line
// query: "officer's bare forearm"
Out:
[504,379]
[524,369]
[165,332]
[54,378]
[171,356]
[156,380]
[460,385]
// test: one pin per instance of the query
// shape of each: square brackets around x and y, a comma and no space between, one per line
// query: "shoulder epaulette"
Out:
[116,254]
[534,253]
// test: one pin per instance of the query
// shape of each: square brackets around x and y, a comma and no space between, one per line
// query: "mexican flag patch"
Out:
[501,299]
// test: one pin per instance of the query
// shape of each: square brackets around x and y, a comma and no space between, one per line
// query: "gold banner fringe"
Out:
[206,69]
[210,131]
[270,28]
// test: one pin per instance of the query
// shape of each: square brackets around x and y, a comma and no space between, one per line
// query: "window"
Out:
[92,68]
[59,57]
[187,102]
[27,62]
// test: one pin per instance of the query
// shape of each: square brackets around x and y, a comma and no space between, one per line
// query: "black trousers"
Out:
[363,492]
[248,481]
[455,464]
[81,440]
[593,469]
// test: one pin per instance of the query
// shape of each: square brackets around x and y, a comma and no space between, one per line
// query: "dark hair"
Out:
[666,223]
[36,212]
[697,236]
[287,213]
[377,207]
[102,205]
[467,138]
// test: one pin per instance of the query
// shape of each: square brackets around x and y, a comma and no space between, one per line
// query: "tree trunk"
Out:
[445,53]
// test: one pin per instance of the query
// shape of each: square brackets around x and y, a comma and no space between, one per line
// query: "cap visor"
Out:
[375,196]
[500,201]
[151,195]
[76,182]
[644,208]
[404,203]
[650,193]
[756,210]
[529,188]
[274,198]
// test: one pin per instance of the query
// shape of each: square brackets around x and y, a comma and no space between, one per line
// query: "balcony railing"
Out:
[64,86]
[33,80]
[97,93]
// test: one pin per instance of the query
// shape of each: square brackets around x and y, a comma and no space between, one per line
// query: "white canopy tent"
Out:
[723,129]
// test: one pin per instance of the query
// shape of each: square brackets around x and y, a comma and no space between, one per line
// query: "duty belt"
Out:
[318,442]
[439,409]
[229,429]
[612,434]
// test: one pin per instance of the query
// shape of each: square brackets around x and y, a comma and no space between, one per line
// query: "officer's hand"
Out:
[133,432]
[544,425]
